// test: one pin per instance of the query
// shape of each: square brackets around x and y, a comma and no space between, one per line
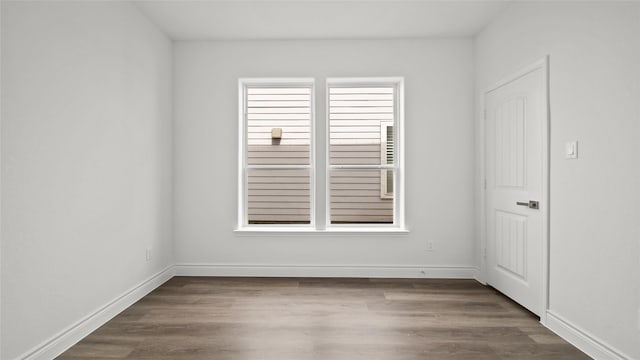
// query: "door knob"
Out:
[531,204]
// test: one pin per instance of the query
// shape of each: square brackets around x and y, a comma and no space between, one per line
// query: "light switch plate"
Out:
[571,150]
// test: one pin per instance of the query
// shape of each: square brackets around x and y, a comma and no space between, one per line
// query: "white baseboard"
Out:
[581,339]
[76,332]
[383,271]
[479,276]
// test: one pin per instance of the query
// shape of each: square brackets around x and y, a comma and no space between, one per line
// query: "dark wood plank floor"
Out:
[201,318]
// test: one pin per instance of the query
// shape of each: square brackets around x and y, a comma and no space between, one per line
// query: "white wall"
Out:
[86,162]
[439,147]
[594,53]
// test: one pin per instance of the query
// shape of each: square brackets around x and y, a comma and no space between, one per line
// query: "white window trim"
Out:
[399,225]
[243,223]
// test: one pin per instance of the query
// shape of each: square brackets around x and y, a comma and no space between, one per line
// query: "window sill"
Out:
[329,231]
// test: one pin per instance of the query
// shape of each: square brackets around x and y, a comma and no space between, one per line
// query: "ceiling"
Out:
[313,19]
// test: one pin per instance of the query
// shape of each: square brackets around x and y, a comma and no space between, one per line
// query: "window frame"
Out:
[398,165]
[244,167]
[318,225]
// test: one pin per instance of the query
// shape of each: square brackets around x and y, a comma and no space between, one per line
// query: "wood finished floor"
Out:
[191,318]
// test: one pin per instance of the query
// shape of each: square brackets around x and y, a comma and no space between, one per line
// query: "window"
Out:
[363,184]
[364,162]
[277,152]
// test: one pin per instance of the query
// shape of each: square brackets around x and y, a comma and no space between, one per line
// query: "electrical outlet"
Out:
[149,254]
[429,246]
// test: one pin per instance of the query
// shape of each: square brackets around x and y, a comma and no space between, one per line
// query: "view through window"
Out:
[278,148]
[361,171]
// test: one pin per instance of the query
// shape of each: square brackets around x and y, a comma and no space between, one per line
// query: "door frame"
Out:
[542,64]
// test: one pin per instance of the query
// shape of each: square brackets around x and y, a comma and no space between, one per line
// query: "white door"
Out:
[515,136]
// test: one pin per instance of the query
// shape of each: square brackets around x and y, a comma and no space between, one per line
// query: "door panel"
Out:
[515,117]
[511,243]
